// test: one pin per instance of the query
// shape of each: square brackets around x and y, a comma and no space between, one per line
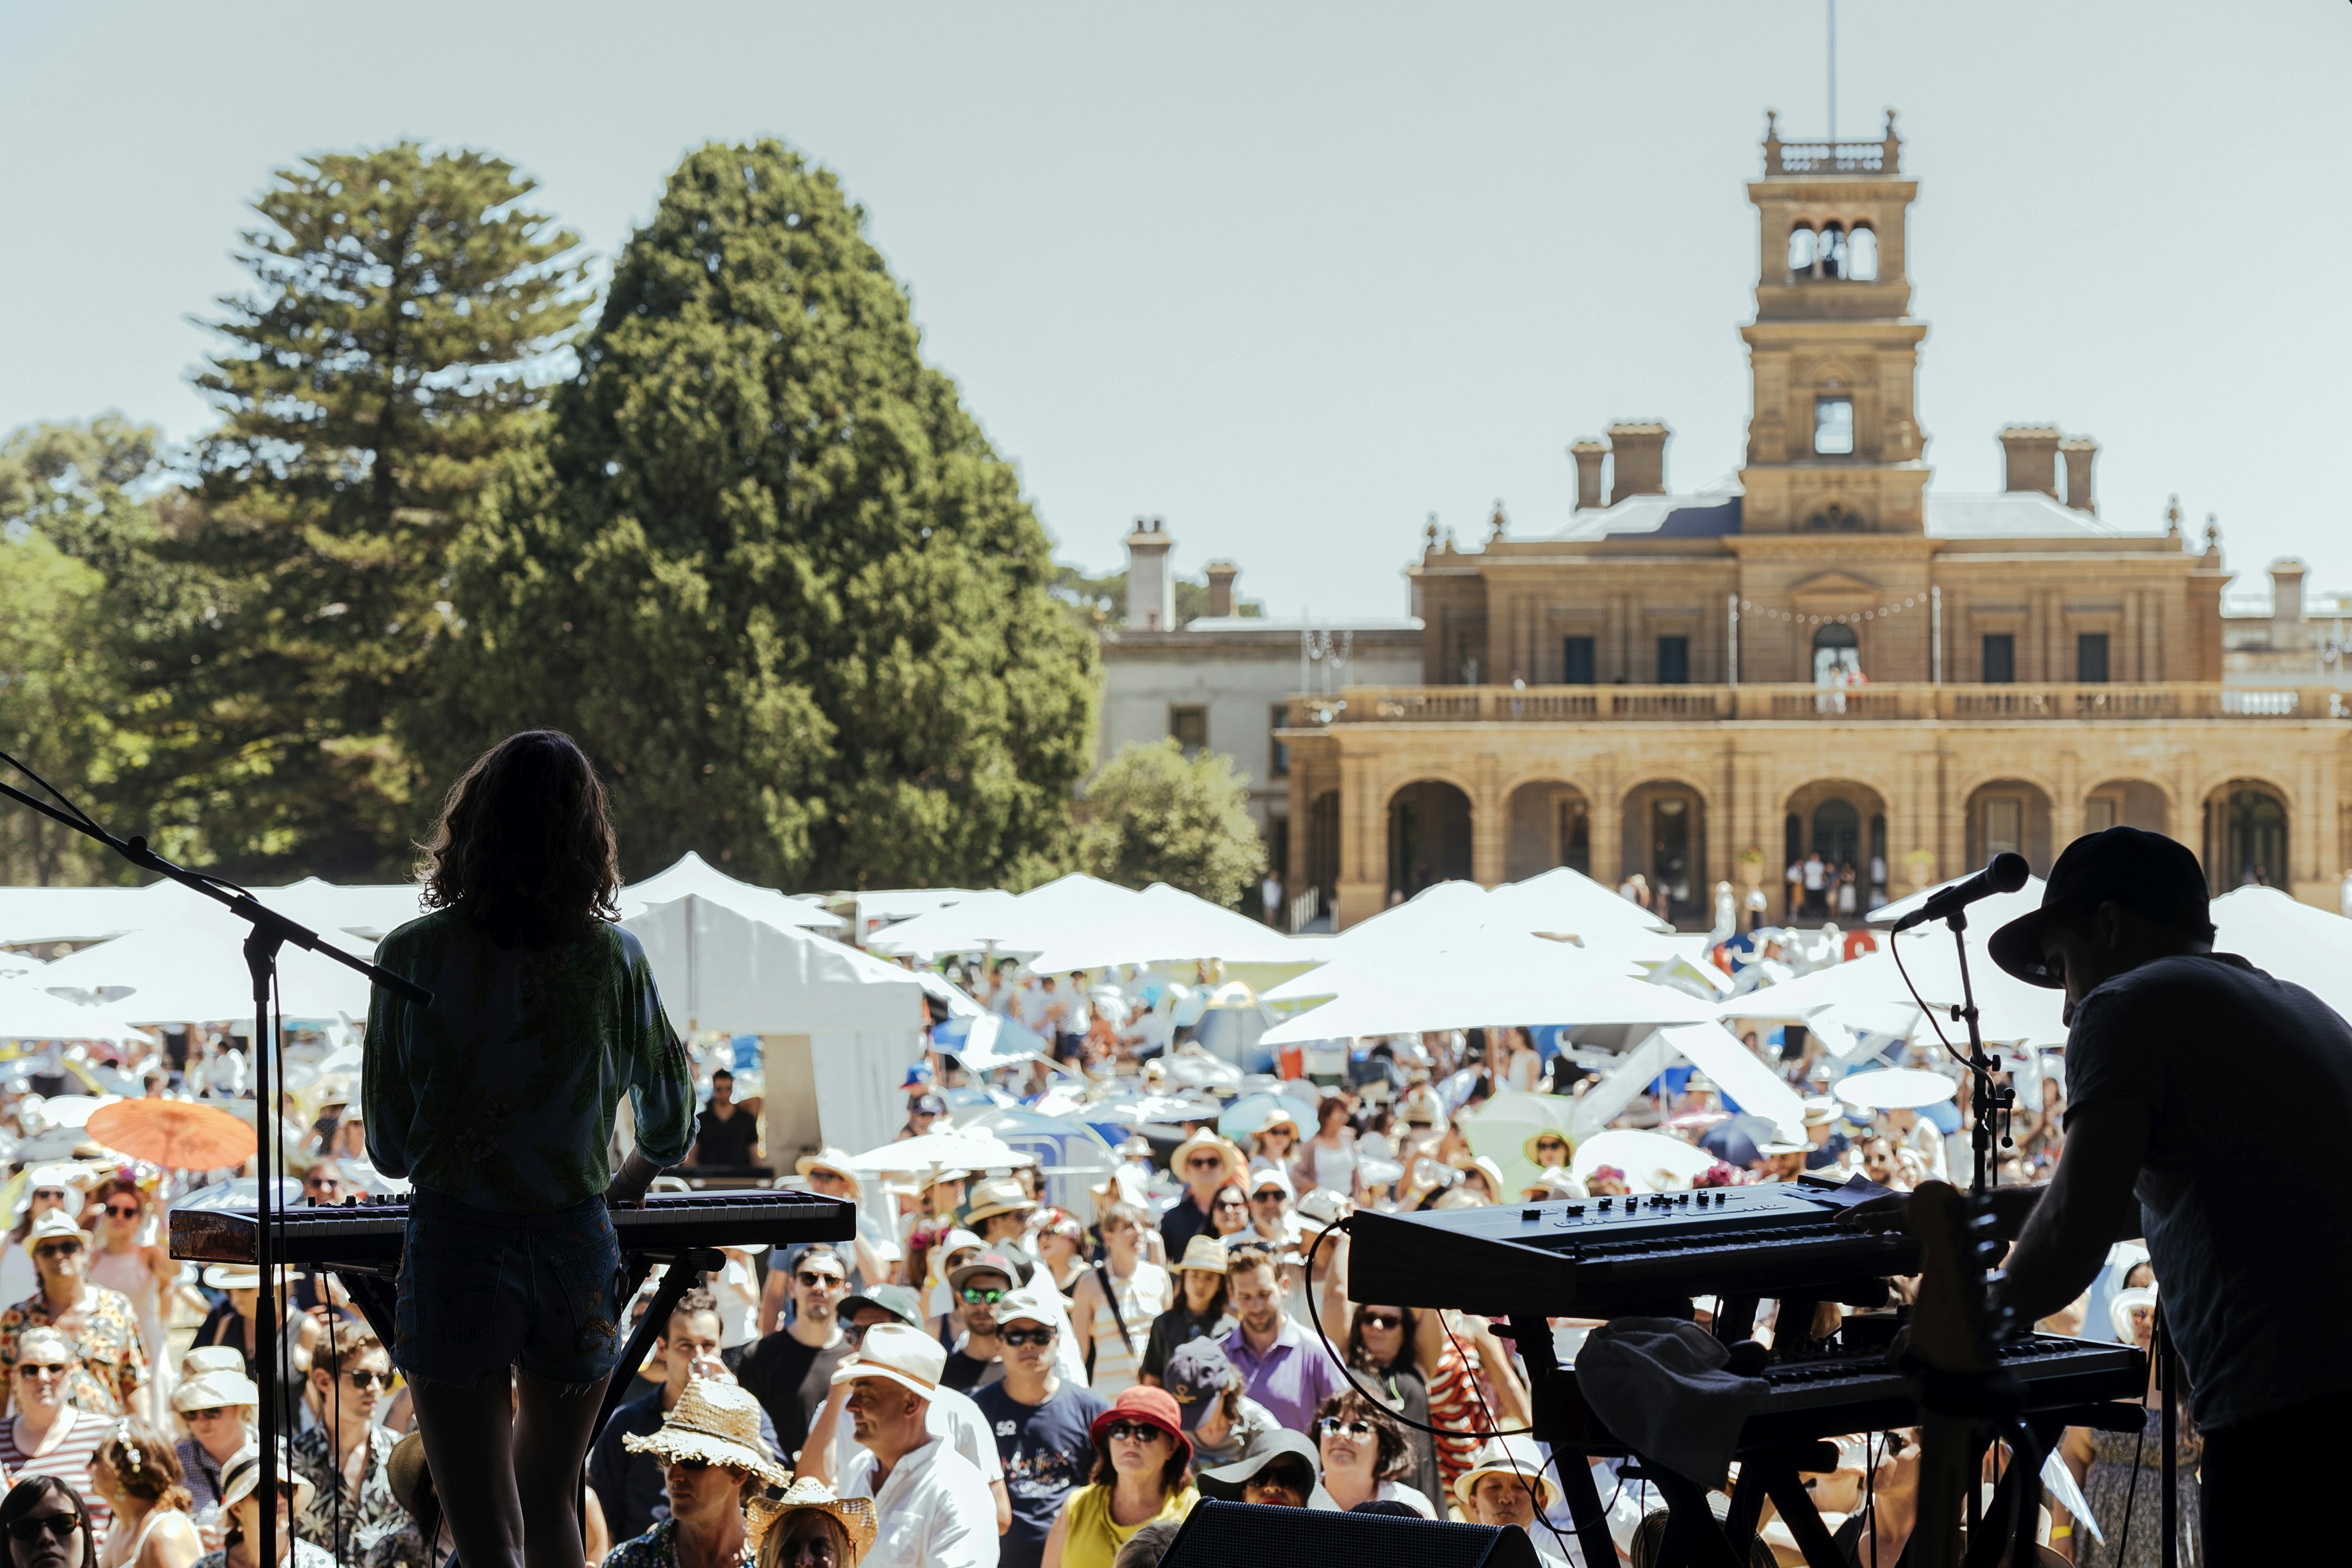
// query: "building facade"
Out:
[1828,657]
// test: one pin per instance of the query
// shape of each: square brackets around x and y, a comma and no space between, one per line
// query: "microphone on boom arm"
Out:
[2005,874]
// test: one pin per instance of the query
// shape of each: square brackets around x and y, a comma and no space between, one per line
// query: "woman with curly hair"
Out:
[1379,1352]
[498,1104]
[1364,1454]
[137,1473]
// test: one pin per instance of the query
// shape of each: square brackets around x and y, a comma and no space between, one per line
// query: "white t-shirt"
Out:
[933,1511]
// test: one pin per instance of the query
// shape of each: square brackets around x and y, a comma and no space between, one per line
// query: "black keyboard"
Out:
[1831,1393]
[368,1234]
[1598,1258]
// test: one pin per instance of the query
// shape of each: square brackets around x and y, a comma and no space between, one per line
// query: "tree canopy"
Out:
[770,571]
[1154,815]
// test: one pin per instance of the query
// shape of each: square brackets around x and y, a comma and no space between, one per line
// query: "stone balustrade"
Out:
[2169,701]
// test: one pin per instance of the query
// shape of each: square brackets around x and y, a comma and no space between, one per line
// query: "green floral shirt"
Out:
[502,1093]
[113,1365]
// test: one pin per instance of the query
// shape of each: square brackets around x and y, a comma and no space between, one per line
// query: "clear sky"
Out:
[1295,276]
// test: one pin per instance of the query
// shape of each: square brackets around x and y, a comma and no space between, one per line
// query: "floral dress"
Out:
[2109,1483]
[113,1366]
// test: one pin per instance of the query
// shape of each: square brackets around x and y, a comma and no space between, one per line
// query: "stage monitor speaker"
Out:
[1221,1535]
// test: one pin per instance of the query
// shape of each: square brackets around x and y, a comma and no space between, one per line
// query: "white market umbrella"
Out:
[1166,925]
[1066,910]
[1896,1088]
[952,927]
[1566,901]
[89,914]
[952,1151]
[369,912]
[719,969]
[1653,1162]
[1991,913]
[29,1013]
[2278,933]
[194,971]
[1440,915]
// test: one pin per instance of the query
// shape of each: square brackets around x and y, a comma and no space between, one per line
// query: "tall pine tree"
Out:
[395,346]
[770,571]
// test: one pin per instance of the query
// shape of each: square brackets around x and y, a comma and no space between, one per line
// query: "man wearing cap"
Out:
[628,1484]
[105,1331]
[1041,1424]
[977,1287]
[790,1372]
[832,1446]
[1223,1423]
[931,1506]
[923,1113]
[711,1454]
[2158,1024]
[1204,1162]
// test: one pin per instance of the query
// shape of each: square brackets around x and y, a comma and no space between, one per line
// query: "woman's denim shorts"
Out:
[482,1290]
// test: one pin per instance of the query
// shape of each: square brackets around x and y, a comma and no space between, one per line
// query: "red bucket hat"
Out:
[1143,1403]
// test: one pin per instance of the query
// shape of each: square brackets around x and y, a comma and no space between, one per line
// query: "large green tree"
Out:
[1154,815]
[399,339]
[773,573]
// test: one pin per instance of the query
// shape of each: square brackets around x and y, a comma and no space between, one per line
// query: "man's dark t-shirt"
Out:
[2213,1047]
[790,1381]
[629,1486]
[1177,1326]
[1183,1220]
[728,1143]
[965,1374]
[1046,1453]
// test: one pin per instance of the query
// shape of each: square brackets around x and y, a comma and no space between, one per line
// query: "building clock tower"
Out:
[1833,441]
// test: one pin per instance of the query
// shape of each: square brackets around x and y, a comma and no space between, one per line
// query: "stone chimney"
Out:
[1220,588]
[2287,628]
[2030,457]
[2078,451]
[1640,468]
[1151,583]
[1588,456]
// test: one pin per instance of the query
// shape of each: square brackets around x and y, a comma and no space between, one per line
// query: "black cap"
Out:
[2144,872]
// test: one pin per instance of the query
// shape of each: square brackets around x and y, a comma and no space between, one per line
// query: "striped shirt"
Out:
[69,1458]
[1117,1361]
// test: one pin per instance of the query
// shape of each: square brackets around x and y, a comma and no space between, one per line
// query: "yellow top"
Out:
[1094,1540]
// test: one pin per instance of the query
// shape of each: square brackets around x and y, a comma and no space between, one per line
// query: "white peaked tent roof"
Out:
[1165,924]
[695,878]
[1438,915]
[192,970]
[369,910]
[1566,901]
[721,969]
[952,927]
[1494,977]
[2274,932]
[85,914]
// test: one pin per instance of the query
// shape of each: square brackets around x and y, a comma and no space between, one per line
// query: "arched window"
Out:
[1832,248]
[1837,655]
[1861,255]
[1801,250]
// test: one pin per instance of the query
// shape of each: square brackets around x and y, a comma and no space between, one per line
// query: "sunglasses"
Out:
[324,1184]
[1381,1319]
[367,1380]
[810,1279]
[1133,1432]
[1282,1478]
[1204,1162]
[1550,1144]
[59,1525]
[35,1369]
[1026,1336]
[983,1295]
[1332,1427]
[1271,1195]
[213,1414]
[56,1249]
[123,1211]
[1229,1204]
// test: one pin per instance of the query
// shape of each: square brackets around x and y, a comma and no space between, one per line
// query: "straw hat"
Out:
[53,1226]
[836,1161]
[1508,1456]
[241,1477]
[907,1357]
[1781,1146]
[72,1177]
[233,1277]
[1236,1168]
[1205,1252]
[201,1359]
[406,1472]
[213,1390]
[716,1423]
[854,1514]
[1319,1210]
[1497,1190]
[1822,1111]
[992,1198]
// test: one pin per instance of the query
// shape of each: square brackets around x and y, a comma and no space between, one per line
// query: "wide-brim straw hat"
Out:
[994,1198]
[1205,1252]
[1508,1456]
[215,1390]
[716,1423]
[856,1514]
[836,1161]
[407,1474]
[241,1477]
[201,1359]
[1529,1148]
[1236,1168]
[55,1225]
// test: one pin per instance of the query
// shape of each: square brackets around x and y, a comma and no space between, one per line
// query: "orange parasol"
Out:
[173,1133]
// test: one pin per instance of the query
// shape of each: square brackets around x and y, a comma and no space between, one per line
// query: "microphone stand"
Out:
[269,931]
[1985,1102]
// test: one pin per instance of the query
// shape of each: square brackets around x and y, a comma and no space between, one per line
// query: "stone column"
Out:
[1608,820]
[1363,841]
[1490,823]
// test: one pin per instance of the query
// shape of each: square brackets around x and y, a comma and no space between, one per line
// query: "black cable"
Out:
[1895,947]
[1349,1373]
[53,793]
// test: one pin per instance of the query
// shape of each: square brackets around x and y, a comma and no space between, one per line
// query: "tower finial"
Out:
[2212,531]
[1495,522]
[1431,532]
[2172,517]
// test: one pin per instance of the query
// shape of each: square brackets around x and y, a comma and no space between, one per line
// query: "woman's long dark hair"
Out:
[1392,1458]
[26,1493]
[525,844]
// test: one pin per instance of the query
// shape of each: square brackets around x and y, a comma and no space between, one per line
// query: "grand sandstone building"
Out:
[1830,656]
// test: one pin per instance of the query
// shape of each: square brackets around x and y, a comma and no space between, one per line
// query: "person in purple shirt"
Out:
[1283,1367]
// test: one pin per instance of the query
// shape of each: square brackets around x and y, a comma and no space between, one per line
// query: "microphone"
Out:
[2005,874]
